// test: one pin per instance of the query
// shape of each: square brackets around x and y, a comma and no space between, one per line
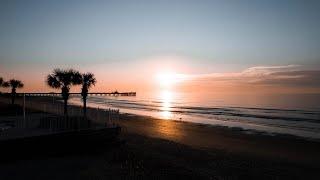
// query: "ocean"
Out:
[292,114]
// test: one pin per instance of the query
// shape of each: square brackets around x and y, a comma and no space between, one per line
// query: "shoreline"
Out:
[300,126]
[213,137]
[238,129]
[164,149]
[232,140]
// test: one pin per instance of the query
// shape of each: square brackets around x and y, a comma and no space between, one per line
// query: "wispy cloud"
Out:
[293,75]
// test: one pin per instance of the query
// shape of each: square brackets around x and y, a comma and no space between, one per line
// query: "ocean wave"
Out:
[247,112]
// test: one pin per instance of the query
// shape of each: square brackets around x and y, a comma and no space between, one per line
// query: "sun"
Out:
[167,79]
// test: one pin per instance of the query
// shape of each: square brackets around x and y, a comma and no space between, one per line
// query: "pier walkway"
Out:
[89,94]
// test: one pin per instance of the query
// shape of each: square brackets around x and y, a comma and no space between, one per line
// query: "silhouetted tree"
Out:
[1,81]
[14,84]
[64,79]
[88,80]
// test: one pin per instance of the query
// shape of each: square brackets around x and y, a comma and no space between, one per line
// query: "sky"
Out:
[215,44]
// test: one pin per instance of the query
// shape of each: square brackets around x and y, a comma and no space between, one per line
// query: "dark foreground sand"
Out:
[232,140]
[162,149]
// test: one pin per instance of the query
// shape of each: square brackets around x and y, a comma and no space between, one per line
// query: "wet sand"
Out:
[226,139]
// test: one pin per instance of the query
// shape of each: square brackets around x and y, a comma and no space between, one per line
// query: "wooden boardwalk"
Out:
[89,94]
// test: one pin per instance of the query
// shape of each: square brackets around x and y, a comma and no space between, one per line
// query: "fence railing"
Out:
[50,115]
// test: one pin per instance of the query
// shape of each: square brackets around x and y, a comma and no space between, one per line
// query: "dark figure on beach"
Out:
[14,84]
[87,81]
[64,79]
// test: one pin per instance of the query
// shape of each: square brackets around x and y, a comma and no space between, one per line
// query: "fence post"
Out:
[97,111]
[109,114]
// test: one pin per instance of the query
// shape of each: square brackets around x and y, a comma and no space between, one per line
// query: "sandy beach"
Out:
[171,149]
[231,140]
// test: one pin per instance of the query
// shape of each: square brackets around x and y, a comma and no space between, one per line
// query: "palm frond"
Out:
[63,78]
[52,81]
[6,84]
[88,80]
[13,83]
[76,77]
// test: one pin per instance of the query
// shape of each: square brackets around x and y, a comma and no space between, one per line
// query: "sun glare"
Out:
[167,79]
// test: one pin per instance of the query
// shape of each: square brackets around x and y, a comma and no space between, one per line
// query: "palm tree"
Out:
[88,80]
[14,84]
[64,79]
[1,82]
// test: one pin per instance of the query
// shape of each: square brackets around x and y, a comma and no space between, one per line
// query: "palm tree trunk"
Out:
[65,107]
[13,94]
[85,107]
[12,98]
[85,111]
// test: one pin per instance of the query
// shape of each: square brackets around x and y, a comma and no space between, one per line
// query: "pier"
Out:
[89,94]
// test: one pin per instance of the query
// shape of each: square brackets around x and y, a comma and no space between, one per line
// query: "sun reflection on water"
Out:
[166,99]
[167,129]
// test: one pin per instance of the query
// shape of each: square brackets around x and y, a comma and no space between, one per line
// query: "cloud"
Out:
[265,70]
[290,75]
[293,78]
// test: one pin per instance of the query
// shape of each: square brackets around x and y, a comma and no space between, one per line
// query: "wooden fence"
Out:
[51,115]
